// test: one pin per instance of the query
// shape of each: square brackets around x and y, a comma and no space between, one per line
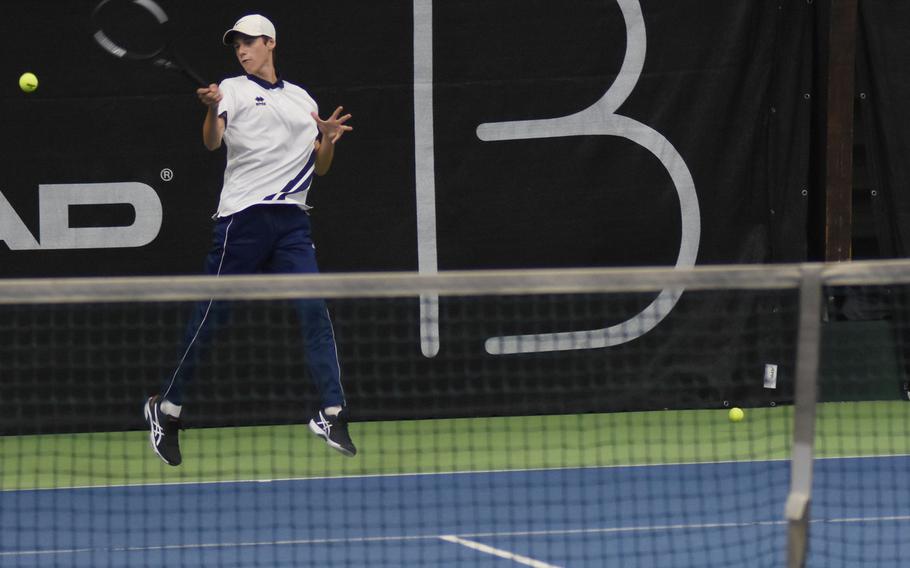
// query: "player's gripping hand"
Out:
[209,96]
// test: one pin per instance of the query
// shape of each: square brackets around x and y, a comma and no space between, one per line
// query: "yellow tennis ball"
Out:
[736,414]
[28,82]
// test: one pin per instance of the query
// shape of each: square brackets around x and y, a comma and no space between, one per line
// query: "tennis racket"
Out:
[140,30]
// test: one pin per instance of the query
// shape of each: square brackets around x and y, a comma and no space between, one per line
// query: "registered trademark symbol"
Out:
[167,174]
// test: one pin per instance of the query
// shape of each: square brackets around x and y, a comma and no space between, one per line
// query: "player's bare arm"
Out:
[213,126]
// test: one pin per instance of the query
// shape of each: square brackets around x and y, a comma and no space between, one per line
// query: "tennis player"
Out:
[276,142]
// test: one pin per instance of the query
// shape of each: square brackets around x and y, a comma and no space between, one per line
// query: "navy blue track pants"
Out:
[271,239]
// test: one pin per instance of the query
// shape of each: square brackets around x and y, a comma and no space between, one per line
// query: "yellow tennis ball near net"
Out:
[736,414]
[28,82]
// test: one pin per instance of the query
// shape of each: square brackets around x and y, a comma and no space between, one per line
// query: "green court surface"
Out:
[433,446]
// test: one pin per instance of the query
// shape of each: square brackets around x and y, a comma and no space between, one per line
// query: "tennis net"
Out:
[546,417]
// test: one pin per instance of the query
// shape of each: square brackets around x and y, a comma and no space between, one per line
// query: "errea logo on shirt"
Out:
[260,101]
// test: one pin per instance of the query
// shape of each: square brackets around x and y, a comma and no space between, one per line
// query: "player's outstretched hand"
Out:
[334,126]
[209,96]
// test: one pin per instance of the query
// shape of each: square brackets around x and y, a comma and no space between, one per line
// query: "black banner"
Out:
[714,94]
[487,135]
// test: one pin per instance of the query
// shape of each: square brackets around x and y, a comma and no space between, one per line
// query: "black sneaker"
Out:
[163,432]
[334,430]
[905,390]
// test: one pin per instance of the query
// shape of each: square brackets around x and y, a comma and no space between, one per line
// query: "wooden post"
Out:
[839,134]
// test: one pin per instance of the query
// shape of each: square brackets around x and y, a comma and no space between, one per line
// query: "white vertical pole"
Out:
[425,170]
[805,396]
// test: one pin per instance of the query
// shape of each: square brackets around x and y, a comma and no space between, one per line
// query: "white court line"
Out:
[432,473]
[45,552]
[497,552]
[414,538]
[866,520]
[382,475]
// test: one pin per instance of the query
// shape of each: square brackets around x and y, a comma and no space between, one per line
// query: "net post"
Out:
[808,348]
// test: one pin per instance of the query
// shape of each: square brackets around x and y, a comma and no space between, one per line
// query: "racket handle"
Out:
[194,76]
[187,72]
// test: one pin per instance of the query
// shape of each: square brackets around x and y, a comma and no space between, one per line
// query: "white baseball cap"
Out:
[253,25]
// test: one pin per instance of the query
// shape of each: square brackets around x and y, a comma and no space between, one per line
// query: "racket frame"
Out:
[165,56]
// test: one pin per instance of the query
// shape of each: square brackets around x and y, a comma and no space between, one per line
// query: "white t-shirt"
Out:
[270,137]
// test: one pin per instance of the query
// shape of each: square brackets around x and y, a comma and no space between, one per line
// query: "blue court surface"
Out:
[667,515]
